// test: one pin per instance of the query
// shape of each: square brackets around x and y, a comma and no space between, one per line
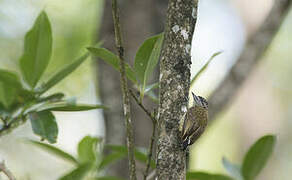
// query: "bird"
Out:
[195,121]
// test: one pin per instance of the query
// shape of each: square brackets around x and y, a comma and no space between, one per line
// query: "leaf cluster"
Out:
[24,97]
[146,60]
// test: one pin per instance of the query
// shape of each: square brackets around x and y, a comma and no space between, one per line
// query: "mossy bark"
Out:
[175,63]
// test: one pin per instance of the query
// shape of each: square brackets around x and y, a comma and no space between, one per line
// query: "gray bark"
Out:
[175,65]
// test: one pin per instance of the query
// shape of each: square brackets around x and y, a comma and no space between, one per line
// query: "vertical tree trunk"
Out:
[174,87]
[139,20]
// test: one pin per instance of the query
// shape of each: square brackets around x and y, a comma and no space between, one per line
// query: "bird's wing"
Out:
[190,123]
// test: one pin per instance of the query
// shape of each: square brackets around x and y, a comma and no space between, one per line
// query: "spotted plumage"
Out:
[195,122]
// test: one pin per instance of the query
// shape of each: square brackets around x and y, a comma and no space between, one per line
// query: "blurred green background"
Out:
[263,105]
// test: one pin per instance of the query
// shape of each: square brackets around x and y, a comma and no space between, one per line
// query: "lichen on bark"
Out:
[174,86]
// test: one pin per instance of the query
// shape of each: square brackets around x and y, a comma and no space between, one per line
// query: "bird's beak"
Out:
[197,100]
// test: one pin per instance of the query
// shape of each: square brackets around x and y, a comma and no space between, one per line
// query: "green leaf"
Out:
[7,95]
[79,173]
[140,155]
[106,160]
[44,124]
[87,149]
[10,78]
[63,73]
[25,96]
[78,107]
[108,178]
[55,151]
[113,60]
[65,106]
[146,59]
[232,169]
[154,58]
[10,85]
[37,50]
[206,176]
[257,157]
[204,67]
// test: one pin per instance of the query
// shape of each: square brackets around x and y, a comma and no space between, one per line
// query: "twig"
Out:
[150,150]
[154,122]
[11,126]
[142,106]
[255,48]
[126,98]
[6,171]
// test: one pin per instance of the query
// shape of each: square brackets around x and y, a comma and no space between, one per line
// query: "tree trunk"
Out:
[175,63]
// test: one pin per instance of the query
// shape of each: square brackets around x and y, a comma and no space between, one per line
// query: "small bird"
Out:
[195,121]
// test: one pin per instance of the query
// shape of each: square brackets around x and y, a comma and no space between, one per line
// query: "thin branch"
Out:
[254,50]
[6,129]
[152,139]
[124,85]
[150,150]
[6,171]
[143,107]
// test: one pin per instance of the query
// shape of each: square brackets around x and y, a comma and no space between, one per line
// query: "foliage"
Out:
[23,100]
[37,50]
[254,161]
[90,161]
[146,60]
[257,156]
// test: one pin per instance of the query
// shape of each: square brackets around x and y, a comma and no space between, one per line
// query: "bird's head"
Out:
[200,101]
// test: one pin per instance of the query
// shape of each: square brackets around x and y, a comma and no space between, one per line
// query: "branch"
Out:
[7,128]
[175,62]
[254,50]
[6,171]
[150,150]
[126,98]
[153,119]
